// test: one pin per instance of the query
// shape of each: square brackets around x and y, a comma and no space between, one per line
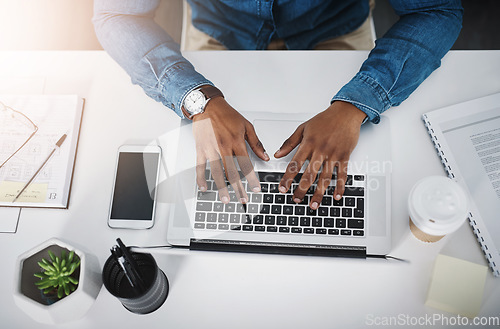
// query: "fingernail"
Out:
[225,199]
[277,151]
[297,200]
[282,189]
[337,197]
[256,189]
[314,205]
[243,200]
[266,156]
[203,188]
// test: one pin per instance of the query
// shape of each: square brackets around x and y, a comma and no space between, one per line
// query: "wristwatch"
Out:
[196,100]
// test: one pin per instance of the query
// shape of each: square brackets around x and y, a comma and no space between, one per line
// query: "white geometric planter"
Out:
[27,296]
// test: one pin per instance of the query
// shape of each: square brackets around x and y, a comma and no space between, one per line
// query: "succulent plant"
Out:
[57,274]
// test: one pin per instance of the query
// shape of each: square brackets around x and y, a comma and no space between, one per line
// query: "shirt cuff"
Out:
[366,94]
[177,82]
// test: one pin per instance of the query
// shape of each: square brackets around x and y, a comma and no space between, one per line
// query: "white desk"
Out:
[225,290]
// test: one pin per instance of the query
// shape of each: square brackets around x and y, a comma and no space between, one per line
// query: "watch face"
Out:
[194,102]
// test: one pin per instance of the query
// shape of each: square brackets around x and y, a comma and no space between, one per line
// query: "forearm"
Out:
[407,54]
[127,31]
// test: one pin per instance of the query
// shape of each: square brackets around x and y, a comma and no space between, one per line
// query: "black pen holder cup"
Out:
[156,282]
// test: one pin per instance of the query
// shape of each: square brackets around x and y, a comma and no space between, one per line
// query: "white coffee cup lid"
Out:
[437,205]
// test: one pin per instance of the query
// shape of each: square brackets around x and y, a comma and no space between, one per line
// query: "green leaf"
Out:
[72,280]
[52,256]
[66,289]
[73,267]
[56,265]
[71,254]
[39,283]
[60,292]
[43,284]
[46,267]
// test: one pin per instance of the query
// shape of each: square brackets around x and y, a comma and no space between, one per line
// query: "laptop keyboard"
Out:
[270,211]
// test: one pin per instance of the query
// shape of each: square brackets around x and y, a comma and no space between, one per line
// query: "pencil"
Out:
[58,145]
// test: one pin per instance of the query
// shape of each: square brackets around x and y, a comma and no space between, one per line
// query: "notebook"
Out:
[269,223]
[467,139]
[30,127]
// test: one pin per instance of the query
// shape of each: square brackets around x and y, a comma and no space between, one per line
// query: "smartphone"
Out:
[133,200]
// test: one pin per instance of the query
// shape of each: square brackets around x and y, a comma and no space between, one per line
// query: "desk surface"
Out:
[222,290]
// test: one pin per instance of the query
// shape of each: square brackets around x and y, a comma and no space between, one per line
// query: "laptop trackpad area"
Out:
[272,134]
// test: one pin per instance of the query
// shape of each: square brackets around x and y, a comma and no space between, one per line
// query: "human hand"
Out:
[220,133]
[326,140]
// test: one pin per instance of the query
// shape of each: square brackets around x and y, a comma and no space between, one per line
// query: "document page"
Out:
[475,143]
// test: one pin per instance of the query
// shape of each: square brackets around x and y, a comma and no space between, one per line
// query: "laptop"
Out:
[356,226]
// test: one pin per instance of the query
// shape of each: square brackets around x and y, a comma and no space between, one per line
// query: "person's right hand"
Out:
[220,134]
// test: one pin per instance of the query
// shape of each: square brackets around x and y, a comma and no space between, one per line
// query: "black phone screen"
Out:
[133,196]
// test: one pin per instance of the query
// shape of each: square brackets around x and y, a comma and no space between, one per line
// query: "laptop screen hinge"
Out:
[278,248]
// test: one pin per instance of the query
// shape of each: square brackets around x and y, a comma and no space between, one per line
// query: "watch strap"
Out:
[186,113]
[211,92]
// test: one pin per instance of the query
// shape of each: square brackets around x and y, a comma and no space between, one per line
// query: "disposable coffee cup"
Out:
[155,280]
[437,206]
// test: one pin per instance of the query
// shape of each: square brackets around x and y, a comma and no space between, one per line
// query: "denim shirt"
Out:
[400,61]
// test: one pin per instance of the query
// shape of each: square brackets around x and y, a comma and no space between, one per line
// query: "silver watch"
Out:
[196,100]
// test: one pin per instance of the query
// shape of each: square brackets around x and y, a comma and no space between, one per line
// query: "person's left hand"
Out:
[327,141]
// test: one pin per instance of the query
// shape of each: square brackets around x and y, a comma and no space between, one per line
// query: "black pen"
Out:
[131,268]
[57,146]
[118,255]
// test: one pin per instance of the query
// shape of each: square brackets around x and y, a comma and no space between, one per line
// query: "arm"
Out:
[149,55]
[401,60]
[405,56]
[153,60]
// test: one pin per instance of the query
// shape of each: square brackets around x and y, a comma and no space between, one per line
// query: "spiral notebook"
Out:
[467,139]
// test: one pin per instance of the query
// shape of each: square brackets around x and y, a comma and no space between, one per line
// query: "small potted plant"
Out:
[59,277]
[56,282]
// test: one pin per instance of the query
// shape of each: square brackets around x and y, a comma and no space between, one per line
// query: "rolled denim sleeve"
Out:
[127,31]
[405,56]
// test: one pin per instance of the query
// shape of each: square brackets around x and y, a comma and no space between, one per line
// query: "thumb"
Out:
[290,143]
[255,143]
